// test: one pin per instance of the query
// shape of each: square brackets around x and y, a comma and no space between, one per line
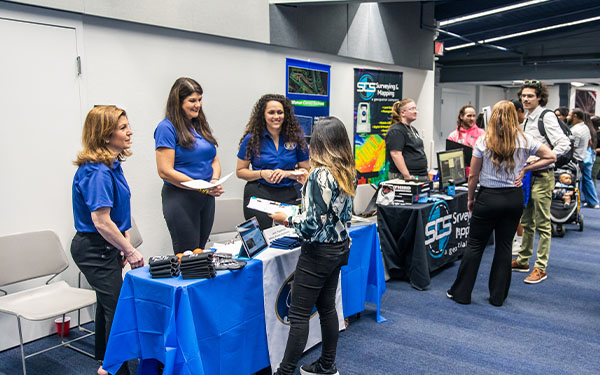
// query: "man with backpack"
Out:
[543,125]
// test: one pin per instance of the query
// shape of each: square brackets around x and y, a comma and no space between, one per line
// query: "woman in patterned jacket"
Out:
[326,208]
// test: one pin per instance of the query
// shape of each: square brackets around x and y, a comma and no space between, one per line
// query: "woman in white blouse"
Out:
[498,165]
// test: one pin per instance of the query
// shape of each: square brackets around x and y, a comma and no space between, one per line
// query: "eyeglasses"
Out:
[533,82]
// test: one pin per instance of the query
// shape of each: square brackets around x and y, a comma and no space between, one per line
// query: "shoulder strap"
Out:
[542,128]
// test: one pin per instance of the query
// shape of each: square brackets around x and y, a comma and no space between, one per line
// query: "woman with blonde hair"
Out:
[102,214]
[326,208]
[404,148]
[498,164]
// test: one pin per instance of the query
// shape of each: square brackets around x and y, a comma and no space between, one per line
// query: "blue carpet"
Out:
[548,328]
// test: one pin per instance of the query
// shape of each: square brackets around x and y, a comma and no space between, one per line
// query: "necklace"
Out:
[413,131]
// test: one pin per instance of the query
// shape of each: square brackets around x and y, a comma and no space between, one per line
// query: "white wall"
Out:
[246,20]
[134,66]
[490,95]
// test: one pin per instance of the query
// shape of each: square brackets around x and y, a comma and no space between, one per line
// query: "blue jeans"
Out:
[587,184]
[315,283]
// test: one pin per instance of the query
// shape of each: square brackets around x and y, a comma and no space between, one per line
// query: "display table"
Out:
[218,326]
[420,238]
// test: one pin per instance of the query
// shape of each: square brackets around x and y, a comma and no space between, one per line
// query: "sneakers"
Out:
[317,369]
[519,268]
[536,276]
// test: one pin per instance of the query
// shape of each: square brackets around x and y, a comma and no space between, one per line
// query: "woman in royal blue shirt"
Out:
[274,144]
[186,150]
[102,214]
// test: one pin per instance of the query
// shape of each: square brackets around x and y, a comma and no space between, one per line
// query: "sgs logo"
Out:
[366,87]
[284,301]
[438,229]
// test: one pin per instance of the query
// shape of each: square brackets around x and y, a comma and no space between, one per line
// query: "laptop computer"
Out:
[253,240]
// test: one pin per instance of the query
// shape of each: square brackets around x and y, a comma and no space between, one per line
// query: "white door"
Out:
[40,131]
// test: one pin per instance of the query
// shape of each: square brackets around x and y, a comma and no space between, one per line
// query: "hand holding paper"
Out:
[201,184]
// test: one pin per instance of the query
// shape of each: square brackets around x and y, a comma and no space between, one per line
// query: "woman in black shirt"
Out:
[405,151]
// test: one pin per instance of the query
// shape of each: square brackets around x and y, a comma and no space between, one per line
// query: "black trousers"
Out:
[499,210]
[315,283]
[189,215]
[101,264]
[287,194]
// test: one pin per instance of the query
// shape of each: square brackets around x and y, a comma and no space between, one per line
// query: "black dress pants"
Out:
[101,264]
[286,194]
[495,209]
[189,215]
[315,283]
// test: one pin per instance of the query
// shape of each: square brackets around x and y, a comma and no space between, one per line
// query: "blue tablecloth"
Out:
[363,279]
[194,327]
[217,326]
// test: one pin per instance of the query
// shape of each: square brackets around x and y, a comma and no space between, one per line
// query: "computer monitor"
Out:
[451,165]
[451,145]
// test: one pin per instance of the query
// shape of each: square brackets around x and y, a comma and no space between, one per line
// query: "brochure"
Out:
[201,184]
[268,206]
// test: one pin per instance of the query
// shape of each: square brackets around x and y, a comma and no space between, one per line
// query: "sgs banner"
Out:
[375,91]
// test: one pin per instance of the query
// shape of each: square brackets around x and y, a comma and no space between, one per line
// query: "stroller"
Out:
[565,207]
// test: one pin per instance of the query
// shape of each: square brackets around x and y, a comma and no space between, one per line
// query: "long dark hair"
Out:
[330,148]
[290,128]
[181,89]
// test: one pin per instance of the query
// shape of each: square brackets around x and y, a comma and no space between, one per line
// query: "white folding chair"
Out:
[134,235]
[31,255]
[228,213]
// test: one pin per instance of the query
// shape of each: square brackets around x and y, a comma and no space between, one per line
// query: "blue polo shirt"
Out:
[195,162]
[95,186]
[286,157]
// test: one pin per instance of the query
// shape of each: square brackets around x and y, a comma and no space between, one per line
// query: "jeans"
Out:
[315,283]
[189,215]
[588,184]
[495,209]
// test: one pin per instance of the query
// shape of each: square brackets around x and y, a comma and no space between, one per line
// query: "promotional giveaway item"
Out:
[164,266]
[400,192]
[197,266]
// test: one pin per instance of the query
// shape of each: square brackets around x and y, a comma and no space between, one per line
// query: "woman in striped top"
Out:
[500,159]
[326,209]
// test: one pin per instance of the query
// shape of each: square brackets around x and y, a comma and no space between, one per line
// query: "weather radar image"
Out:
[307,81]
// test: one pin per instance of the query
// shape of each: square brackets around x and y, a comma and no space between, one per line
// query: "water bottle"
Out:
[451,188]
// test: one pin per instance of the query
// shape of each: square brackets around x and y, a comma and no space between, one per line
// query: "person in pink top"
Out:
[467,131]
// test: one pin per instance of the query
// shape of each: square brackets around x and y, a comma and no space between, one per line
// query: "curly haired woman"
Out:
[273,142]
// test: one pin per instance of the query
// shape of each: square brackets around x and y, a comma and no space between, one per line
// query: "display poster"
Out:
[586,100]
[308,89]
[375,91]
